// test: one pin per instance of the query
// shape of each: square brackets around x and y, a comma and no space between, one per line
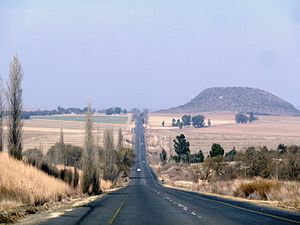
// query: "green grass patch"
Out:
[96,119]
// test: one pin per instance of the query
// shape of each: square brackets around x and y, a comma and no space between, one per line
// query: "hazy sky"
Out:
[154,53]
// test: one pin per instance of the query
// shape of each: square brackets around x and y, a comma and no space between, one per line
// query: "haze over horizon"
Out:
[155,54]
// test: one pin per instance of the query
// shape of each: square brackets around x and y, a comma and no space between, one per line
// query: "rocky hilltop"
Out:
[236,99]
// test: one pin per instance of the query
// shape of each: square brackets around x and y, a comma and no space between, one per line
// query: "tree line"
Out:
[59,111]
[114,111]
[243,118]
[198,121]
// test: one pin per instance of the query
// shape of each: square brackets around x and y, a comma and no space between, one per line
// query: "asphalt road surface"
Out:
[145,202]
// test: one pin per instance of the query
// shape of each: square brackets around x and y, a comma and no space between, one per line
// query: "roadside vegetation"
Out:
[255,173]
[31,178]
[23,184]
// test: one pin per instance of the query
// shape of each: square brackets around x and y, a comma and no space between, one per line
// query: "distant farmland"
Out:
[269,131]
[44,131]
[96,119]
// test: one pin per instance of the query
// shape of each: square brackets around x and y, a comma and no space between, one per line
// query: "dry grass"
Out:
[106,185]
[258,188]
[283,194]
[268,130]
[22,184]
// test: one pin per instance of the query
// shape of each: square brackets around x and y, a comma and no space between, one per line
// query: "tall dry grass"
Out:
[22,184]
[283,194]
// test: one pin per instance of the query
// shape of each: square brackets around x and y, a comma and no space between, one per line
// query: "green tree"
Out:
[118,110]
[216,150]
[109,111]
[198,121]
[251,117]
[186,120]
[182,148]
[241,118]
[178,123]
[230,156]
[197,158]
[282,148]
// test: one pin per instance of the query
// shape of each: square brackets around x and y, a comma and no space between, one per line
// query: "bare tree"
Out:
[61,148]
[109,155]
[1,114]
[120,140]
[90,161]
[15,106]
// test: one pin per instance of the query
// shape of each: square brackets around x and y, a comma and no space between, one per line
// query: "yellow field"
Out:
[268,130]
[24,184]
[42,132]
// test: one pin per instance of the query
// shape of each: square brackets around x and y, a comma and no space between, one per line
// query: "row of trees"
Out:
[115,111]
[243,118]
[182,149]
[197,121]
[58,111]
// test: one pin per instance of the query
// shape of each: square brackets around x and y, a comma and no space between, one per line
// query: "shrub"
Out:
[216,150]
[33,157]
[72,155]
[197,158]
[230,156]
[260,187]
[124,161]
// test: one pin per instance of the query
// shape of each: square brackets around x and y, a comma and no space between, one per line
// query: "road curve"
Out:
[145,202]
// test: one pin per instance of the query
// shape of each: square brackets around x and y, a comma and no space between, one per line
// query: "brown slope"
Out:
[237,99]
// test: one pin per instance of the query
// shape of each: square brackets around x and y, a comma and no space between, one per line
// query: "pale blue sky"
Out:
[141,53]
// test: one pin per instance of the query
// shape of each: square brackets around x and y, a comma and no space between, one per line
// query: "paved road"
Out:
[145,202]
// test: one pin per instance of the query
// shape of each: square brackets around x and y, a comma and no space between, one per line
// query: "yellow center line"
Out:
[242,208]
[112,219]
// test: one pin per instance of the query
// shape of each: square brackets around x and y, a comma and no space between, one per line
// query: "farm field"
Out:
[96,119]
[45,131]
[268,130]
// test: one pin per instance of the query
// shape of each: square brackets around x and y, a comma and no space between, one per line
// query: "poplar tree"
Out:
[15,107]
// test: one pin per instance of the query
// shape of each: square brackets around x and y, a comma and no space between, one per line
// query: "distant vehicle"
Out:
[138,170]
[144,162]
